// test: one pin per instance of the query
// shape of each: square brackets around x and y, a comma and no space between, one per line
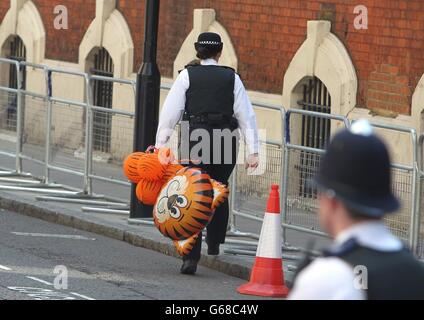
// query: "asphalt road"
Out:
[97,267]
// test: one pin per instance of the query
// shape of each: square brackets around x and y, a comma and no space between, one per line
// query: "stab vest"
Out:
[391,275]
[211,90]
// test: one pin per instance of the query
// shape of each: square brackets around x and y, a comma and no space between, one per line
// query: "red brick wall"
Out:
[267,34]
[133,11]
[388,57]
[64,44]
[175,24]
[4,6]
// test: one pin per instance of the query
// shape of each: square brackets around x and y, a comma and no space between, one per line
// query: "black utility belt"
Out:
[211,119]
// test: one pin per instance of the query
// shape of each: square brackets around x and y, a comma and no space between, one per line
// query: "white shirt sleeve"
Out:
[244,113]
[326,279]
[172,109]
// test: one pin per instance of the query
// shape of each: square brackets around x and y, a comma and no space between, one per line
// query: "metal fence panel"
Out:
[34,128]
[301,203]
[7,124]
[420,201]
[400,222]
[420,222]
[405,175]
[67,136]
[111,134]
[251,191]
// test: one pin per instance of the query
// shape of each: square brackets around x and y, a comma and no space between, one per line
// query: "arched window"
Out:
[102,97]
[15,50]
[315,131]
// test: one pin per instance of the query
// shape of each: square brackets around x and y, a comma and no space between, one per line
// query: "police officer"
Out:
[366,260]
[210,97]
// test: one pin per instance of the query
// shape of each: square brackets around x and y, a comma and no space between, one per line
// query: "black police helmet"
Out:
[209,40]
[356,167]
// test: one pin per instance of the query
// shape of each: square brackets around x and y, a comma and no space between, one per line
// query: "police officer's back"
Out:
[214,105]
[366,260]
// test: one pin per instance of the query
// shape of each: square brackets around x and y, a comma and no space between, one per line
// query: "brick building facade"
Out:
[388,57]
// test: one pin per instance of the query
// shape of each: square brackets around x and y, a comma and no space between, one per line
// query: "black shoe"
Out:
[189,267]
[213,249]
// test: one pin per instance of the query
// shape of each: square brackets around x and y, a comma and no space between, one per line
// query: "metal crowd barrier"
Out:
[298,198]
[299,195]
[419,222]
[8,95]
[405,185]
[248,193]
[36,142]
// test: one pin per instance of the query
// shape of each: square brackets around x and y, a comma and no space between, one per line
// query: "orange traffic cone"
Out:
[267,278]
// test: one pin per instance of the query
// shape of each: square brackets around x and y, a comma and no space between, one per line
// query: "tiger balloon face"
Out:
[184,206]
[172,200]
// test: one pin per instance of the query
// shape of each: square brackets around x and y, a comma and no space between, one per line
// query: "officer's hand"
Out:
[252,161]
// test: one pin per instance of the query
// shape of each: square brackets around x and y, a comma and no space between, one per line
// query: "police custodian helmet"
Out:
[356,167]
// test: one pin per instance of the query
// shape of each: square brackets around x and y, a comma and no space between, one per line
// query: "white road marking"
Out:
[50,292]
[5,268]
[40,280]
[48,235]
[82,296]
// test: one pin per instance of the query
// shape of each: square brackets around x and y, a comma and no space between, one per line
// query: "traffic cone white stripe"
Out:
[270,239]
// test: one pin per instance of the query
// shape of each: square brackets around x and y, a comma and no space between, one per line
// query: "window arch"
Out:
[324,56]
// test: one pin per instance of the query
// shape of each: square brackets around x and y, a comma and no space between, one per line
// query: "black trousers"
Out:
[219,169]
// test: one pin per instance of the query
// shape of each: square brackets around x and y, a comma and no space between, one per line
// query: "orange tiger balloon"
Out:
[184,247]
[220,192]
[184,198]
[184,206]
[150,168]
[171,171]
[148,191]
[130,166]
